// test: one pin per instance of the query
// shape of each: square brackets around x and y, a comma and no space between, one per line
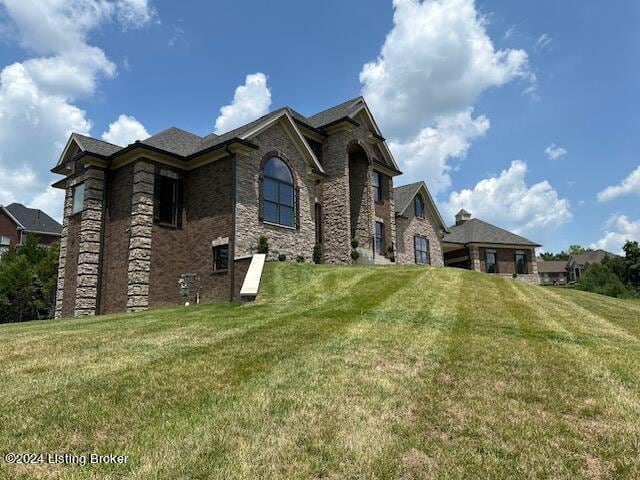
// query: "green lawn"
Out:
[336,372]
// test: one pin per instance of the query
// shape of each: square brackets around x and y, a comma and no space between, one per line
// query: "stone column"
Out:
[534,263]
[474,258]
[392,218]
[89,245]
[62,260]
[140,240]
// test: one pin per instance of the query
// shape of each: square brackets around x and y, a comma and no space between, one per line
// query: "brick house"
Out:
[177,206]
[577,264]
[17,221]
[480,246]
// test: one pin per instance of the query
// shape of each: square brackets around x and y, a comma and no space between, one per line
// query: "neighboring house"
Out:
[419,226]
[16,221]
[480,246]
[553,272]
[578,263]
[139,217]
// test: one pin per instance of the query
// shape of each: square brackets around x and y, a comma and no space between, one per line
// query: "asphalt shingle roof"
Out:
[94,145]
[175,141]
[332,114]
[596,256]
[404,195]
[34,220]
[552,266]
[477,231]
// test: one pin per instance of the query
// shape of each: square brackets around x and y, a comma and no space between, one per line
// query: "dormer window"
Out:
[419,206]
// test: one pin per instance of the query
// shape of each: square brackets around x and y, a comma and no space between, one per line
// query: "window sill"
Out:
[167,225]
[220,272]
[288,227]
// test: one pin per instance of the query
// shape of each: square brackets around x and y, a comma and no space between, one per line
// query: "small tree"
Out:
[599,278]
[263,245]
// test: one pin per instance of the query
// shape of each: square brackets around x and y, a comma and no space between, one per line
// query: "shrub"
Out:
[300,259]
[599,278]
[263,245]
[355,255]
[282,257]
[354,243]
[317,253]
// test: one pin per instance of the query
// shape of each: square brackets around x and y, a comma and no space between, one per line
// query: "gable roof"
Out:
[33,220]
[477,231]
[404,195]
[330,115]
[595,256]
[552,266]
[93,145]
[175,140]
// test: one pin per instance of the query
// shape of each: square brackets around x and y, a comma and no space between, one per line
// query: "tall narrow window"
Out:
[490,262]
[379,238]
[521,263]
[419,206]
[278,193]
[377,186]
[78,198]
[220,257]
[421,248]
[167,201]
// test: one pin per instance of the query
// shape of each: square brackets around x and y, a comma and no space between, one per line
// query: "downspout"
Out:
[232,238]
[103,222]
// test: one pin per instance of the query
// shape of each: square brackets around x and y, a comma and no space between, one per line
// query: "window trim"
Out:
[525,269]
[176,223]
[418,199]
[427,253]
[8,243]
[73,198]
[495,261]
[278,204]
[377,189]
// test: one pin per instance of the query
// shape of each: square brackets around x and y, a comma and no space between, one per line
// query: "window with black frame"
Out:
[491,263]
[521,263]
[78,198]
[167,201]
[377,186]
[379,238]
[220,257]
[419,206]
[421,248]
[278,193]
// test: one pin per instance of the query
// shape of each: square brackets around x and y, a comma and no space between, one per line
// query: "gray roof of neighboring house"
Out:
[175,140]
[34,220]
[596,256]
[477,231]
[552,266]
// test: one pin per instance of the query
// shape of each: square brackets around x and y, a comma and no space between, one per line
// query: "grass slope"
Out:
[337,372]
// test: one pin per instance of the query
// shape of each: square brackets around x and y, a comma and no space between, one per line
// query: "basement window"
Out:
[78,198]
[220,258]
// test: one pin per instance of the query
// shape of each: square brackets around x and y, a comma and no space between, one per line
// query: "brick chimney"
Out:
[462,216]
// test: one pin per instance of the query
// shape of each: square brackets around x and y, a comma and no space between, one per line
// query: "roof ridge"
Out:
[96,139]
[341,104]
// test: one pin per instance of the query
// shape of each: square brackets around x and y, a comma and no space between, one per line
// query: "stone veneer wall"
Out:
[359,200]
[289,241]
[409,226]
[89,245]
[62,260]
[140,239]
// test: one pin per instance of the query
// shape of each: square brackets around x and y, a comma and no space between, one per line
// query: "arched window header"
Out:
[278,170]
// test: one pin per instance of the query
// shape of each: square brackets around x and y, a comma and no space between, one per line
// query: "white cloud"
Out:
[554,152]
[619,230]
[37,95]
[427,155]
[49,202]
[628,186]
[435,63]
[544,41]
[250,101]
[125,130]
[507,201]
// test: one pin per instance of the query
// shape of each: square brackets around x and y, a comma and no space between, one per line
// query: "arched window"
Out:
[278,193]
[419,204]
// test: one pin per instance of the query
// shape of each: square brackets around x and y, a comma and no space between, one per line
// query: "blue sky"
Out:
[472,95]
